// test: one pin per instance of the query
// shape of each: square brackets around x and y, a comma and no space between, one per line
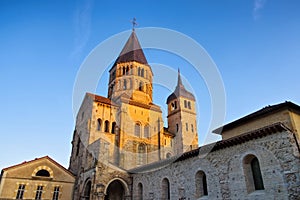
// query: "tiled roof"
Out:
[36,159]
[260,113]
[132,51]
[259,133]
[101,99]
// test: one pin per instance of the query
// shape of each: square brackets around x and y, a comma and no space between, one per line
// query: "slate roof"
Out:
[180,91]
[132,51]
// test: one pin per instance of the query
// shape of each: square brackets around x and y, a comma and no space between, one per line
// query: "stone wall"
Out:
[278,159]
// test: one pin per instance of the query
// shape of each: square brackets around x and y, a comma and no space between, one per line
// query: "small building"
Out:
[41,178]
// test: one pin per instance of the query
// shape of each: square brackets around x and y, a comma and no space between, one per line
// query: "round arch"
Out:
[44,167]
[86,192]
[121,181]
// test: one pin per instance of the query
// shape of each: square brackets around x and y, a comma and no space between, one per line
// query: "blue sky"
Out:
[254,43]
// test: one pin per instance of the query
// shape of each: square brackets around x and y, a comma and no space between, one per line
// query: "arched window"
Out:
[177,128]
[254,180]
[137,130]
[130,84]
[99,122]
[146,131]
[192,127]
[185,104]
[201,184]
[125,85]
[172,106]
[113,127]
[142,73]
[106,126]
[168,155]
[141,86]
[165,189]
[189,105]
[175,104]
[127,70]
[140,192]
[139,71]
[186,126]
[123,70]
[141,154]
[43,173]
[87,191]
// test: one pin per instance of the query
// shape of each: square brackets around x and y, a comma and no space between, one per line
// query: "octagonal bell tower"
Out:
[182,118]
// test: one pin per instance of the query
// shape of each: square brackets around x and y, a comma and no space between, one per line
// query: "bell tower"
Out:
[182,118]
[131,76]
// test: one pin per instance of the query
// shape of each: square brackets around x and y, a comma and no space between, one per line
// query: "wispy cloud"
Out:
[258,6]
[82,22]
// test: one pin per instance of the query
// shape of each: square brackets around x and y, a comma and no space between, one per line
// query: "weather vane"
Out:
[134,24]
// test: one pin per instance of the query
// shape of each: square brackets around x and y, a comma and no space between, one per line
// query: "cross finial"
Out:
[134,24]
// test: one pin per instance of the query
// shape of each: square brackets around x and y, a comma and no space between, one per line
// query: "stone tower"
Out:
[131,75]
[182,118]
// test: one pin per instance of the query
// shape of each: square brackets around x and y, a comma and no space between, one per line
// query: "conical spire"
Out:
[132,51]
[180,91]
[179,82]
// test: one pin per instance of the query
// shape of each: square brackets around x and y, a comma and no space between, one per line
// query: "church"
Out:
[122,151]
[125,130]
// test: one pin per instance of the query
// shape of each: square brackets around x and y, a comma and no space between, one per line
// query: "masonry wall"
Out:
[279,163]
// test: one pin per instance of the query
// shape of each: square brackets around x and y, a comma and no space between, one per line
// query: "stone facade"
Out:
[120,149]
[225,172]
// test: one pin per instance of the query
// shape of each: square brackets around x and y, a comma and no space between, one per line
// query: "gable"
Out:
[38,168]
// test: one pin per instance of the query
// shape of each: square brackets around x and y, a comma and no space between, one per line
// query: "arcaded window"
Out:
[55,193]
[141,154]
[146,131]
[140,192]
[137,130]
[127,70]
[20,192]
[43,172]
[106,126]
[39,192]
[201,184]
[253,177]
[142,73]
[125,85]
[99,123]
[113,127]
[141,86]
[172,106]
[165,189]
[123,70]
